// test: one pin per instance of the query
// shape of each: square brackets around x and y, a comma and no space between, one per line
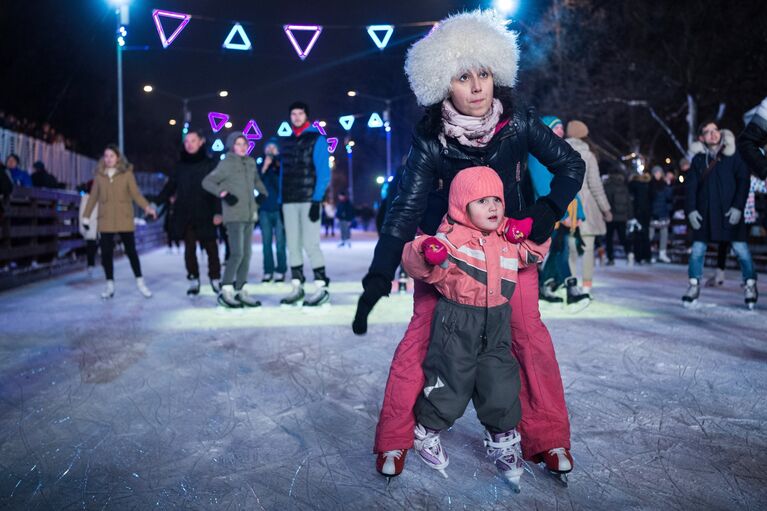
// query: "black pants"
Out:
[722,251]
[108,249]
[462,364]
[641,240]
[190,254]
[612,228]
[91,247]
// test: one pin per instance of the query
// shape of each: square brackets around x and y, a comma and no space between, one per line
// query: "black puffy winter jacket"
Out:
[422,195]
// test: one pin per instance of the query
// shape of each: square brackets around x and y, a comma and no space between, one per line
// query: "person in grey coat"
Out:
[234,180]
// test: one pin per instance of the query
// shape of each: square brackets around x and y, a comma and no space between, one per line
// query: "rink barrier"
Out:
[40,238]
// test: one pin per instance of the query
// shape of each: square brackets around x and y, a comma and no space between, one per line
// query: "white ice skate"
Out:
[690,298]
[320,297]
[296,296]
[507,456]
[109,291]
[751,294]
[145,292]
[429,449]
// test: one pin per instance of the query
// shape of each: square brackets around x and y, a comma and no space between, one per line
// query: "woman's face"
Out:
[110,158]
[657,175]
[472,92]
[240,146]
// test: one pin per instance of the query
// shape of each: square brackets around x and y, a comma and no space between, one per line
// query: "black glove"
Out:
[375,287]
[314,212]
[260,198]
[544,217]
[230,199]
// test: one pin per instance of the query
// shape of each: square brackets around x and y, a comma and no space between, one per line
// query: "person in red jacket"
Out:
[472,262]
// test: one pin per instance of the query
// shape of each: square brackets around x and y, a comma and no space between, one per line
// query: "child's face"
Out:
[486,213]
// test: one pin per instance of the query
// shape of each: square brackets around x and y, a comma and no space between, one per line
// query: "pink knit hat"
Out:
[469,185]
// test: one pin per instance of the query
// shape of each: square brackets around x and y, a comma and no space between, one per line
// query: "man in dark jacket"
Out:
[753,138]
[269,214]
[621,206]
[304,181]
[196,213]
[717,187]
[41,178]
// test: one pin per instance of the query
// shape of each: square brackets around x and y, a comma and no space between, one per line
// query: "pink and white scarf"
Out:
[469,130]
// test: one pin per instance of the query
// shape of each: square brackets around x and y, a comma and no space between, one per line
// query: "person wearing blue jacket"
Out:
[304,179]
[19,176]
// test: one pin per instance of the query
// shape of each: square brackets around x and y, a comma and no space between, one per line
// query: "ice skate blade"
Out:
[441,470]
[690,305]
[575,308]
[559,476]
[296,305]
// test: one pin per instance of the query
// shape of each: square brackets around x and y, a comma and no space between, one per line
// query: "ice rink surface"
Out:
[172,403]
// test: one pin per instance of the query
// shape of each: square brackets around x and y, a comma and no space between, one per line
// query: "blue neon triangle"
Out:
[284,129]
[237,30]
[346,122]
[218,145]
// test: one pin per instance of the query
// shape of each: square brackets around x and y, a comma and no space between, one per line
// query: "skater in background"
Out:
[639,226]
[661,197]
[472,263]
[270,216]
[621,207]
[717,187]
[115,190]
[596,207]
[469,121]
[345,216]
[233,180]
[19,176]
[173,242]
[194,213]
[91,234]
[753,139]
[329,218]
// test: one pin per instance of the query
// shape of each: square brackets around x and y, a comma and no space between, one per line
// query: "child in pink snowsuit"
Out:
[472,262]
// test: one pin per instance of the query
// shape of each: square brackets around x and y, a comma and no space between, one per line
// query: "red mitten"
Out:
[517,230]
[434,251]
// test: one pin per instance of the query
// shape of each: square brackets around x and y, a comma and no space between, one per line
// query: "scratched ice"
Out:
[170,403]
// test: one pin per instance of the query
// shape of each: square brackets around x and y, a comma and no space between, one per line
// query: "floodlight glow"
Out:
[251,145]
[284,130]
[256,135]
[223,93]
[218,145]
[372,29]
[213,117]
[172,122]
[346,122]
[319,127]
[148,88]
[351,93]
[380,180]
[375,121]
[332,144]
[237,30]
[157,13]
[302,54]
[228,124]
[506,7]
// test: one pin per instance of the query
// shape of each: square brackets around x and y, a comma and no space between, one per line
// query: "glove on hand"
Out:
[517,231]
[734,216]
[314,212]
[695,219]
[231,199]
[375,287]
[434,252]
[544,217]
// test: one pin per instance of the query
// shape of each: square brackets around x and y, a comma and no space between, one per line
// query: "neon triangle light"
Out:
[319,127]
[256,135]
[284,129]
[375,121]
[302,54]
[237,30]
[217,116]
[332,144]
[346,122]
[251,145]
[157,13]
[218,145]
[372,29]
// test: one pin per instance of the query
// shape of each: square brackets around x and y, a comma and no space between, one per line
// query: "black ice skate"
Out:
[751,294]
[690,298]
[546,293]
[194,286]
[576,299]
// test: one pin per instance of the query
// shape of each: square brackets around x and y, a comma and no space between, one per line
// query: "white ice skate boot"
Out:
[430,450]
[630,259]
[109,291]
[507,455]
[194,286]
[690,298]
[227,299]
[751,294]
[663,257]
[320,297]
[142,287]
[296,296]
[245,299]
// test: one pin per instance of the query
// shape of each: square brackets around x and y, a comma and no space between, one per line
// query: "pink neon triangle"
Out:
[251,145]
[319,127]
[302,53]
[213,116]
[157,13]
[332,144]
[256,135]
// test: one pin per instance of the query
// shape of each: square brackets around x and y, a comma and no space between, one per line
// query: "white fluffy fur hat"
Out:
[459,43]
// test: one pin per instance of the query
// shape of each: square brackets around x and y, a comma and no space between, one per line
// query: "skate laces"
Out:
[397,454]
[558,450]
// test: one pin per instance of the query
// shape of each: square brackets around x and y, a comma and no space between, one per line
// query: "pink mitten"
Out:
[434,251]
[517,231]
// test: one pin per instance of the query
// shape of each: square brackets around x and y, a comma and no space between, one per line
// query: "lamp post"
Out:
[123,19]
[186,113]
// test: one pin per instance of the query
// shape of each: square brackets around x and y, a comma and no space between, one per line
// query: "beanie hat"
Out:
[232,138]
[300,105]
[469,185]
[551,121]
[576,129]
[470,40]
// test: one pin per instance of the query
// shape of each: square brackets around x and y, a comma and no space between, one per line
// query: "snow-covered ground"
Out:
[172,403]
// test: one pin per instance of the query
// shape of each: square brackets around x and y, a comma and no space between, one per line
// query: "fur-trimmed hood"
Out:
[459,43]
[728,138]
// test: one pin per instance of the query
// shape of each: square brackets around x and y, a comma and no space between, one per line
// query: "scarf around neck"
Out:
[466,129]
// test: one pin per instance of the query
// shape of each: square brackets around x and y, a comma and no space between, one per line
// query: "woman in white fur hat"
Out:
[463,72]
